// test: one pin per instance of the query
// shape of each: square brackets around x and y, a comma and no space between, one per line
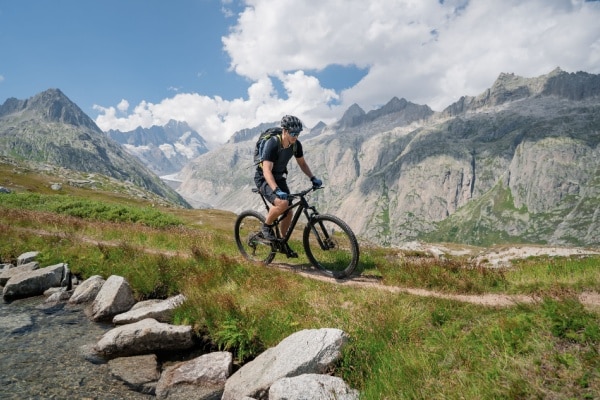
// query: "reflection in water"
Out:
[41,356]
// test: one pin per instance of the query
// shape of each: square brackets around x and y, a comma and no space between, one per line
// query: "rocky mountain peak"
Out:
[509,87]
[404,110]
[353,116]
[49,128]
[53,106]
[10,106]
[250,133]
[163,149]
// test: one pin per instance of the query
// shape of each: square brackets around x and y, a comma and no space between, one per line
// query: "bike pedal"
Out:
[292,254]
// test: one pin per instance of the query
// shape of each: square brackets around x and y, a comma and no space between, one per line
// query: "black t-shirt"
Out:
[279,156]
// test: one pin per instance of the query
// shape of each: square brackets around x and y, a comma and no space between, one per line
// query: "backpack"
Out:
[262,140]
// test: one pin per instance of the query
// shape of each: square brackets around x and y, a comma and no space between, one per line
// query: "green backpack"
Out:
[262,140]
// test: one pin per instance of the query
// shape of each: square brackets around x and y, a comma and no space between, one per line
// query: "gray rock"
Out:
[88,290]
[27,257]
[5,267]
[145,303]
[201,378]
[144,337]
[10,272]
[160,311]
[312,386]
[88,352]
[139,372]
[57,295]
[114,297]
[304,352]
[35,282]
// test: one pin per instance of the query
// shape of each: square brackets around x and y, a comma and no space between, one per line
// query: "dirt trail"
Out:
[590,299]
[492,258]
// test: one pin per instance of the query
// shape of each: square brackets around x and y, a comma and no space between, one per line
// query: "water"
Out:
[41,356]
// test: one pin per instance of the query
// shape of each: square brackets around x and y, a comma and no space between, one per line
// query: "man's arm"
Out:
[304,167]
[267,168]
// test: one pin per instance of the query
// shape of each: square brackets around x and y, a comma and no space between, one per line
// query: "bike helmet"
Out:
[291,123]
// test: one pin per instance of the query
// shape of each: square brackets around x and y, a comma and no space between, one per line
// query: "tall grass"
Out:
[85,208]
[402,346]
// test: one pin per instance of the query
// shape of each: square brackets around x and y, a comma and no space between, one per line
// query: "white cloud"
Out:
[216,119]
[1,78]
[427,51]
[123,106]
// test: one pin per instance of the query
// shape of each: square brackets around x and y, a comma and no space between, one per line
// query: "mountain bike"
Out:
[329,243]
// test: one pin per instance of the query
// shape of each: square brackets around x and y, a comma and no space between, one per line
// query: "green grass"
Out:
[401,346]
[89,209]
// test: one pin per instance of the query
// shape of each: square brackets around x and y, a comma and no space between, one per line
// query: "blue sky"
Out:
[225,65]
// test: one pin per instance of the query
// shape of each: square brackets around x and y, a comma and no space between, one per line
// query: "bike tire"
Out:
[247,227]
[331,246]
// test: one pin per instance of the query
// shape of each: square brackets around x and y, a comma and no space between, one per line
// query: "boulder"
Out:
[312,386]
[88,290]
[138,372]
[201,378]
[8,273]
[27,257]
[309,351]
[34,283]
[58,296]
[114,297]
[144,337]
[160,311]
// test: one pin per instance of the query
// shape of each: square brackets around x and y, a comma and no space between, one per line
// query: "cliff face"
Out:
[520,162]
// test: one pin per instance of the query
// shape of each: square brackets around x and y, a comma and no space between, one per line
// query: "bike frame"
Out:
[303,208]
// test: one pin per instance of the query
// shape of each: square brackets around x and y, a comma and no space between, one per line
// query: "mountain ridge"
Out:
[163,149]
[531,144]
[50,128]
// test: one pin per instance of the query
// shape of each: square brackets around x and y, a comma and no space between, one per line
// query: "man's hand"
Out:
[281,194]
[317,183]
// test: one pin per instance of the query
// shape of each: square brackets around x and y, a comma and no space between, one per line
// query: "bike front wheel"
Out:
[252,247]
[331,246]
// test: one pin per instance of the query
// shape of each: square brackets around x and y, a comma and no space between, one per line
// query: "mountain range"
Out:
[517,163]
[163,149]
[49,128]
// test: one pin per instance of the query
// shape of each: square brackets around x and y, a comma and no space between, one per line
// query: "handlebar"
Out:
[305,192]
[294,195]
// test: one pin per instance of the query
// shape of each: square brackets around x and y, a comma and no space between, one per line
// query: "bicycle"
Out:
[329,243]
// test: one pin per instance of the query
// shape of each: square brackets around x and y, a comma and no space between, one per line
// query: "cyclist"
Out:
[271,176]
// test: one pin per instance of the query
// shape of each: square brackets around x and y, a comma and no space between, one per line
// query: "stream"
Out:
[41,355]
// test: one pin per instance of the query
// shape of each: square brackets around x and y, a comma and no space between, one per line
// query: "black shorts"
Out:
[269,194]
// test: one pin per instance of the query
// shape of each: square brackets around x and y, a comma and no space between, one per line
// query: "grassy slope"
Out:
[402,346]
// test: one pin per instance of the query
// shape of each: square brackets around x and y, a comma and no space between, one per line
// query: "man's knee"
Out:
[282,204]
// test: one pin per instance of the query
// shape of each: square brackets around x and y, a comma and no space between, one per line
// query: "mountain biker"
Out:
[271,176]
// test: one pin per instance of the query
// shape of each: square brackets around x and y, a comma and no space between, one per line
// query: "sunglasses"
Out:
[295,133]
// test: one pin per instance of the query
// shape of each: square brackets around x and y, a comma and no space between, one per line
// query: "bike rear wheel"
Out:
[331,246]
[252,247]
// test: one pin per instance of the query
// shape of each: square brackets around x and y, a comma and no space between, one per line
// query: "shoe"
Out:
[289,252]
[267,233]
